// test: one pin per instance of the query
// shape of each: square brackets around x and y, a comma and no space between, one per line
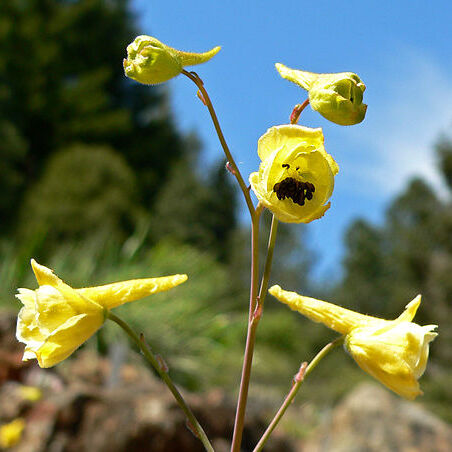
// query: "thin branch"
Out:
[304,371]
[269,260]
[162,369]
[296,112]
[194,77]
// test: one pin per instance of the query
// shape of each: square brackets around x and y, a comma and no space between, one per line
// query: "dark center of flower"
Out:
[294,189]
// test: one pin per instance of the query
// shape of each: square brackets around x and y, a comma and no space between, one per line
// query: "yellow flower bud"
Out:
[337,97]
[149,61]
[11,433]
[296,175]
[56,319]
[395,352]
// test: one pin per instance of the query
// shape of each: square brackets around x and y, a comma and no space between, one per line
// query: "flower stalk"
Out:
[304,371]
[194,77]
[162,370]
[255,314]
[269,260]
[296,112]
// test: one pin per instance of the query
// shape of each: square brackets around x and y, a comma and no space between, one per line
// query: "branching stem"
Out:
[298,380]
[255,314]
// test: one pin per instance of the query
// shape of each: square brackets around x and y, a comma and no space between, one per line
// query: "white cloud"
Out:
[407,114]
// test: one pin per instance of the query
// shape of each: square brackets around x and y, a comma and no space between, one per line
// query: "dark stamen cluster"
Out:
[294,189]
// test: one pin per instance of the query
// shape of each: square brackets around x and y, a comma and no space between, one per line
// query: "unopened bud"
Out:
[337,97]
[149,61]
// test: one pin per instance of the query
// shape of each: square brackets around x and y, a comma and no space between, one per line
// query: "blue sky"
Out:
[401,50]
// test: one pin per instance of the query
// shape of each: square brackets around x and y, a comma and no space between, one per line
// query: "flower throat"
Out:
[294,189]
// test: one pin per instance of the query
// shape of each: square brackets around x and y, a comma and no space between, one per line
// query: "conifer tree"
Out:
[62,82]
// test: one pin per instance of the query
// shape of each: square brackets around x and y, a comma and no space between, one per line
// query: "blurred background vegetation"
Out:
[97,182]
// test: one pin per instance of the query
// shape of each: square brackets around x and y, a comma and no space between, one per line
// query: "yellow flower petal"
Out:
[67,338]
[116,294]
[395,352]
[335,317]
[56,319]
[11,433]
[296,175]
[337,97]
[30,393]
[149,61]
[410,310]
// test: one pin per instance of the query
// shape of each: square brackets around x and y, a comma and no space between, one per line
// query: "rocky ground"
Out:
[370,418]
[92,404]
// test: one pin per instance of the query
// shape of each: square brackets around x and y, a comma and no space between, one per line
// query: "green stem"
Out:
[304,371]
[194,77]
[253,320]
[268,262]
[162,371]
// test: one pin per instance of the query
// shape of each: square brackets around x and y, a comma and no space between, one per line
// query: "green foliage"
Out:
[65,79]
[62,82]
[12,151]
[70,93]
[197,211]
[367,270]
[444,151]
[83,191]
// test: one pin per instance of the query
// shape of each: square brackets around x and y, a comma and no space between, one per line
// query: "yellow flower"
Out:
[337,97]
[296,175]
[395,352]
[30,393]
[56,319]
[11,433]
[149,61]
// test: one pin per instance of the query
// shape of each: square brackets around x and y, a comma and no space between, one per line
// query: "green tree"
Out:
[62,82]
[12,152]
[366,269]
[198,211]
[444,153]
[84,191]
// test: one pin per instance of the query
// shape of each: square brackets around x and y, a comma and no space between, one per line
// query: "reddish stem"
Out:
[296,112]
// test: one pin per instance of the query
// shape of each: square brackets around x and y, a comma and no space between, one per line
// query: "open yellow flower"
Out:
[11,433]
[56,319]
[296,175]
[337,97]
[149,61]
[395,352]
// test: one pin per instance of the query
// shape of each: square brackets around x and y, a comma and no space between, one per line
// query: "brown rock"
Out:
[371,418]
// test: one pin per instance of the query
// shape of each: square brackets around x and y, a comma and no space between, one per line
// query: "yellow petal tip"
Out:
[43,274]
[410,310]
